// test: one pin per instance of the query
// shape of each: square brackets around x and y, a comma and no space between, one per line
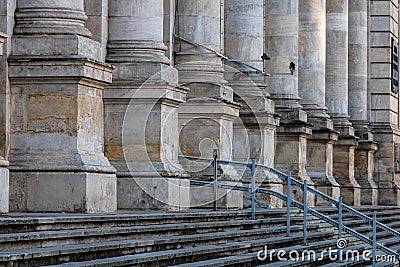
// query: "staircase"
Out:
[196,238]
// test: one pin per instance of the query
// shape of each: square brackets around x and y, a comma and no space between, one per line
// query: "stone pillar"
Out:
[206,120]
[169,27]
[141,120]
[358,100]
[282,44]
[254,130]
[57,80]
[337,98]
[384,101]
[4,180]
[312,49]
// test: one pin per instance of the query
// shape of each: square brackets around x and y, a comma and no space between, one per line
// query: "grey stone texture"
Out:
[56,136]
[98,98]
[141,119]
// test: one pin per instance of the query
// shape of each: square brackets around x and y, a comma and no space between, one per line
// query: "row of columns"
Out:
[154,110]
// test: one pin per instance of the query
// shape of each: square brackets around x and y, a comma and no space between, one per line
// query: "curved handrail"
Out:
[298,204]
[301,206]
[280,174]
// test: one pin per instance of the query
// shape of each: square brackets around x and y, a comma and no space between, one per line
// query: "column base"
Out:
[330,190]
[203,196]
[291,150]
[363,171]
[351,195]
[320,161]
[170,194]
[275,185]
[63,192]
[389,196]
[369,196]
[4,190]
[343,165]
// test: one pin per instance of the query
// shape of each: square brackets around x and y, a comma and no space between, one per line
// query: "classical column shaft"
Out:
[254,130]
[56,79]
[358,60]
[140,109]
[312,48]
[358,99]
[206,120]
[201,63]
[337,98]
[311,69]
[337,60]
[281,43]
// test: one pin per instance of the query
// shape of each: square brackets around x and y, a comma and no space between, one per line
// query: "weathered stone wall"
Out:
[177,84]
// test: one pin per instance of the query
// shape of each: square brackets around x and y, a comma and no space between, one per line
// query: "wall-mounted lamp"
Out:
[265,57]
[292,67]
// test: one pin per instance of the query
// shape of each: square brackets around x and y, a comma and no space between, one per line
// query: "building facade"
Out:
[100,97]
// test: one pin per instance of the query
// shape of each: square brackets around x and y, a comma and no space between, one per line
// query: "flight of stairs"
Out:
[195,238]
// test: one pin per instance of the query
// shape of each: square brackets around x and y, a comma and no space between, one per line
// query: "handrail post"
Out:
[288,204]
[253,189]
[340,227]
[215,165]
[305,208]
[374,245]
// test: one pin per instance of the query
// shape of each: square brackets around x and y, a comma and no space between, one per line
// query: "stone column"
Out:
[57,80]
[4,180]
[254,130]
[337,98]
[282,44]
[358,100]
[141,120]
[312,48]
[206,120]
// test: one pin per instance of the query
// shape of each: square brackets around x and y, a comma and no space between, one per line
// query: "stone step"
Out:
[277,242]
[81,252]
[122,234]
[13,223]
[182,256]
[322,259]
[103,234]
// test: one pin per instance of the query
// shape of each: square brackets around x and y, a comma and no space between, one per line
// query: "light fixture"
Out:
[265,57]
[292,67]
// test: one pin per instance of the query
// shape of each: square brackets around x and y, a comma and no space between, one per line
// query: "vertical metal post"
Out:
[288,204]
[305,208]
[253,189]
[374,245]
[215,165]
[340,227]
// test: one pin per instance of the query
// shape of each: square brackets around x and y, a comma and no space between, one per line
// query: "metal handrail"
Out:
[288,199]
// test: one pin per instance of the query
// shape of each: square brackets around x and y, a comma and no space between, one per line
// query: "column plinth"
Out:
[57,81]
[141,118]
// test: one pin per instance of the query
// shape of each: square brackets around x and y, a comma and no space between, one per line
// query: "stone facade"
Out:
[99,98]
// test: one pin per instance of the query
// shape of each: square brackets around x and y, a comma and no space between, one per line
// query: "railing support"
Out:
[340,228]
[374,244]
[253,189]
[215,165]
[305,209]
[288,204]
[299,205]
